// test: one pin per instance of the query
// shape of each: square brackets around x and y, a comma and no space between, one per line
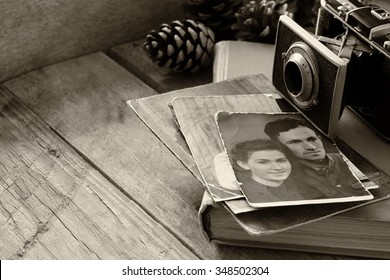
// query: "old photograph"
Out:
[280,159]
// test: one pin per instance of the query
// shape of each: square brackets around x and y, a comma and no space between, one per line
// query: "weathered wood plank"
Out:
[84,101]
[53,205]
[132,57]
[36,33]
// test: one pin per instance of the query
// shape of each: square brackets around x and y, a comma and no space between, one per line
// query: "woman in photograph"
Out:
[266,172]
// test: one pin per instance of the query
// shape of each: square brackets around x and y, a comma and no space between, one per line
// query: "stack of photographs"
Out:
[253,156]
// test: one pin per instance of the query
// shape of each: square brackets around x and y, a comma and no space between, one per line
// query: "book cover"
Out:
[363,232]
[250,58]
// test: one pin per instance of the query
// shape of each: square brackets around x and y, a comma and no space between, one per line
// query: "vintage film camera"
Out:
[346,62]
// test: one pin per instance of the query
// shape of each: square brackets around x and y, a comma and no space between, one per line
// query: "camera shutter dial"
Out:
[300,70]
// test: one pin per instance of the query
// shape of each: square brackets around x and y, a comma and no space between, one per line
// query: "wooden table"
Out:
[83,178]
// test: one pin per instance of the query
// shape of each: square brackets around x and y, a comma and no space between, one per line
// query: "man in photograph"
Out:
[327,172]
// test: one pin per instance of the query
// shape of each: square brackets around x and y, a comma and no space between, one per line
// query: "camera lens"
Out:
[300,71]
[293,77]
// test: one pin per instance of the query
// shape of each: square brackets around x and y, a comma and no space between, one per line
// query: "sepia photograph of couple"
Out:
[280,159]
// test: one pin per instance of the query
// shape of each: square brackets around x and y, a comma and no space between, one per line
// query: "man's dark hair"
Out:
[274,128]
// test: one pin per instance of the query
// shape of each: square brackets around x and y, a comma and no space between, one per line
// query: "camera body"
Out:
[345,63]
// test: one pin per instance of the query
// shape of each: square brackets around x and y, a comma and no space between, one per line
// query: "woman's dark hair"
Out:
[243,150]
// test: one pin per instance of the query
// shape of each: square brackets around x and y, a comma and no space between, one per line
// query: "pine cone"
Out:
[216,14]
[184,46]
[258,20]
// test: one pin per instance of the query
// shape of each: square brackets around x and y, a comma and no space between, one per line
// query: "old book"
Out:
[364,231]
[154,111]
[249,57]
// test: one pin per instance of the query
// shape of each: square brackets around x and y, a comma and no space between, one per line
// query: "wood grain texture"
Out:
[53,205]
[37,33]
[83,100]
[132,57]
